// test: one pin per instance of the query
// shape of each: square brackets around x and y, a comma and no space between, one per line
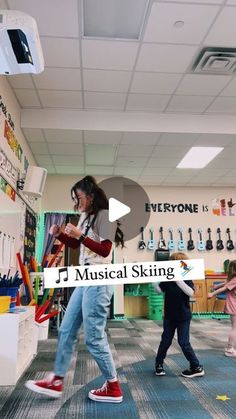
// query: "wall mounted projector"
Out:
[20,47]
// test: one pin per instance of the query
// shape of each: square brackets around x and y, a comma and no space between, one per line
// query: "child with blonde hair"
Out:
[177,316]
[230,305]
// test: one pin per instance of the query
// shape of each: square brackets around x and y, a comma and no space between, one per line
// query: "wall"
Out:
[57,198]
[202,218]
[13,159]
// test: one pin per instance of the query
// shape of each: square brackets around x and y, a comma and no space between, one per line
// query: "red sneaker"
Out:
[108,393]
[50,386]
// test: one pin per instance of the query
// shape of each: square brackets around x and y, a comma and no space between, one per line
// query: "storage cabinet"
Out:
[18,344]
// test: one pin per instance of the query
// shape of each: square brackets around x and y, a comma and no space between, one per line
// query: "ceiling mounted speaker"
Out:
[35,181]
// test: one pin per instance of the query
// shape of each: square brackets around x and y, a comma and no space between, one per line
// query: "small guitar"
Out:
[171,243]
[209,244]
[151,243]
[190,243]
[181,243]
[219,243]
[161,243]
[141,243]
[201,244]
[229,243]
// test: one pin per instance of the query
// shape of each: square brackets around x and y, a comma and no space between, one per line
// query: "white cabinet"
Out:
[18,344]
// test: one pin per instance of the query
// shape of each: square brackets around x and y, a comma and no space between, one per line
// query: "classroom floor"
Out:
[133,343]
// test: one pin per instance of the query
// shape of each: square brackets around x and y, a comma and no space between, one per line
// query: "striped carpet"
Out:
[133,345]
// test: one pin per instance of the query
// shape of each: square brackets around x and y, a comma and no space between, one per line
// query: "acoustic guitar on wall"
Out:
[209,244]
[161,243]
[229,243]
[219,243]
[171,243]
[141,243]
[190,243]
[151,242]
[201,244]
[181,242]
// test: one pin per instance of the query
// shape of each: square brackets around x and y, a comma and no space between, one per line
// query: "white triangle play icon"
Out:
[117,209]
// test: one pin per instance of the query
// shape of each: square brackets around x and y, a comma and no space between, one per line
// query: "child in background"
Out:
[177,316]
[230,305]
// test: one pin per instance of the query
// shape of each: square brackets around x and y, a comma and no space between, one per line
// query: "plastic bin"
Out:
[42,329]
[12,292]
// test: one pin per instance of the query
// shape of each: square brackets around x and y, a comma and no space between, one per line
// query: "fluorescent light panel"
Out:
[114,18]
[199,157]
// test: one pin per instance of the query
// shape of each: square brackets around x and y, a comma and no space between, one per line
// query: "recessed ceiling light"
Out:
[179,24]
[199,157]
[114,18]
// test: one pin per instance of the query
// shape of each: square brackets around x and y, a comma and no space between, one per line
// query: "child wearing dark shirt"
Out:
[177,316]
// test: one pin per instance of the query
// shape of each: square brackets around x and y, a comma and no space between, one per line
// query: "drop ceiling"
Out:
[151,75]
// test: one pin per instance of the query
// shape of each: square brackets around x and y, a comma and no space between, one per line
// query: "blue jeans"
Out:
[87,305]
[182,327]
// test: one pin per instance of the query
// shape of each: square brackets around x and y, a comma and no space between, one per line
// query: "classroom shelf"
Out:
[18,344]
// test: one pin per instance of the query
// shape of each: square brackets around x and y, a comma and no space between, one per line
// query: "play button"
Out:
[127,203]
[117,209]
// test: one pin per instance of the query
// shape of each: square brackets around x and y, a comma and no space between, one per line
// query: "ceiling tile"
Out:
[196,181]
[131,161]
[219,163]
[175,181]
[154,171]
[106,81]
[137,151]
[66,160]
[166,152]
[67,55]
[183,173]
[200,1]
[65,149]
[54,17]
[154,83]
[51,169]
[151,180]
[226,181]
[60,99]
[163,162]
[213,140]
[128,171]
[3,5]
[206,172]
[21,81]
[69,170]
[102,137]
[58,79]
[27,98]
[109,55]
[165,58]
[223,105]
[34,134]
[100,154]
[98,100]
[140,138]
[196,18]
[63,136]
[39,148]
[223,30]
[99,170]
[230,90]
[143,102]
[202,84]
[231,173]
[43,159]
[189,104]
[172,139]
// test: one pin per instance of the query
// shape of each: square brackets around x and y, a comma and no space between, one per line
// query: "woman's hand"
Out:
[73,231]
[55,230]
